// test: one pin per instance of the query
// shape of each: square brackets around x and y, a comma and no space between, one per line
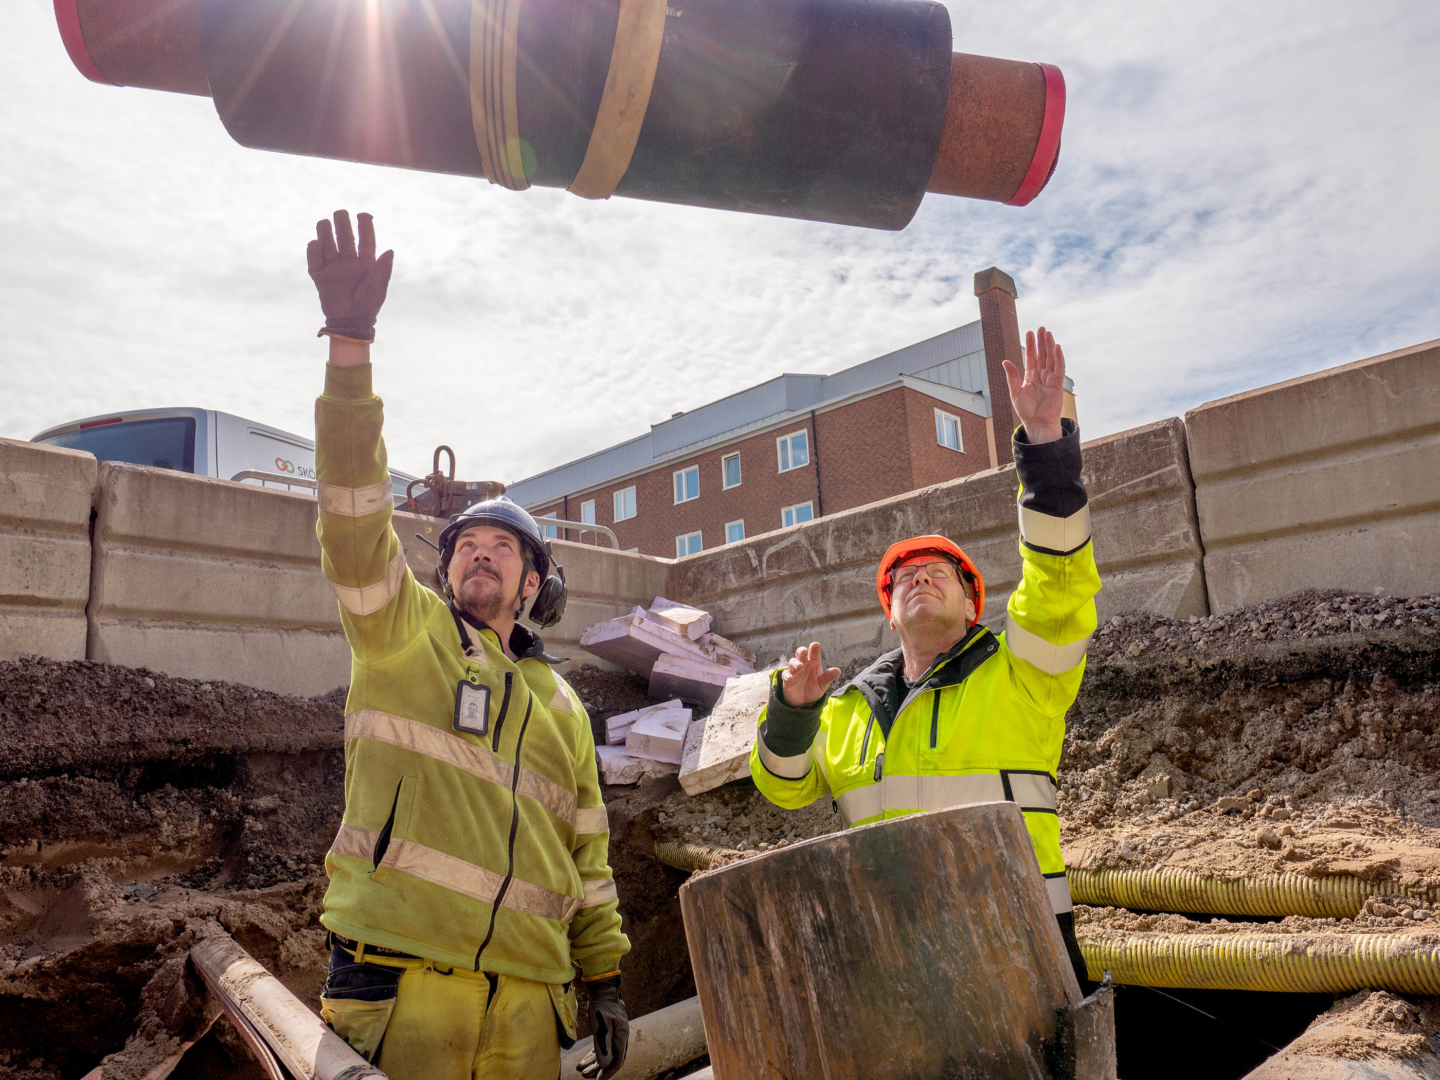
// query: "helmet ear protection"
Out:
[548,605]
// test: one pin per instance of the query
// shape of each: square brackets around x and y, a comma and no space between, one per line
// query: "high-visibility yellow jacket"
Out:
[987,721]
[487,851]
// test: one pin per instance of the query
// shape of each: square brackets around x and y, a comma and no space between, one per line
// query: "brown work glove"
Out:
[612,1031]
[351,283]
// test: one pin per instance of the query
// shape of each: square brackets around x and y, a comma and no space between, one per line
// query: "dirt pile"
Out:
[605,693]
[1300,617]
[133,808]
[1372,1024]
[139,811]
[1284,748]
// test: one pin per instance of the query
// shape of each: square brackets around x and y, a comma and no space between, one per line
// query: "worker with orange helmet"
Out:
[959,714]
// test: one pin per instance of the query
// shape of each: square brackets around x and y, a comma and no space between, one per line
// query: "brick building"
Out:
[801,446]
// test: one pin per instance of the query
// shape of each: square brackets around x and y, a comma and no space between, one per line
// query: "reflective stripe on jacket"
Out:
[987,721]
[489,850]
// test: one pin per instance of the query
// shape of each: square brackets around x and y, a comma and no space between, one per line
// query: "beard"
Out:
[487,602]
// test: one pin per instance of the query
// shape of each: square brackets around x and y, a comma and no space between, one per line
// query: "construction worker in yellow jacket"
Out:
[958,714]
[469,883]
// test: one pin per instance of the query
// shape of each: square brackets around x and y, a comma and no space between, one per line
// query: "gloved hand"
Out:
[352,284]
[612,1030]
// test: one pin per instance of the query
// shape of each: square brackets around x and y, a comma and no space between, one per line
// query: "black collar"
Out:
[525,644]
[881,686]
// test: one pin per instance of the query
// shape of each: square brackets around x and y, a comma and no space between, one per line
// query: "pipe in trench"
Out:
[1339,896]
[1280,963]
[659,1041]
[1336,896]
[848,111]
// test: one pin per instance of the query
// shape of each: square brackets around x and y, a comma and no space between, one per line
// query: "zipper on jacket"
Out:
[865,743]
[382,842]
[504,704]
[935,721]
[514,826]
[879,765]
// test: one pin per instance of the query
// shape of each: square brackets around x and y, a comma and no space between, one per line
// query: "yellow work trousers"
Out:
[444,1024]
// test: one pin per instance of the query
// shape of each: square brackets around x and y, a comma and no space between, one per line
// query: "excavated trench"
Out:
[136,808]
[1300,737]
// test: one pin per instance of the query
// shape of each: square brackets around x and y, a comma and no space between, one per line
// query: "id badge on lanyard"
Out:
[472,708]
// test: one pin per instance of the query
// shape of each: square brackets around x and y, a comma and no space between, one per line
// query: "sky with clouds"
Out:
[1247,192]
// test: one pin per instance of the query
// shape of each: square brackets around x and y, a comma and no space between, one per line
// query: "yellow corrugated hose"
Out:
[1340,896]
[1278,962]
[1244,960]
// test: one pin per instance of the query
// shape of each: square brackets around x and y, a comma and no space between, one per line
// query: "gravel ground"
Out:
[1301,617]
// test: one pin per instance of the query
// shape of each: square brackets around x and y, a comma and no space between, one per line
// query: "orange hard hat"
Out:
[928,545]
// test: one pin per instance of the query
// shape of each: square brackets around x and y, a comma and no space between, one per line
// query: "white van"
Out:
[201,441]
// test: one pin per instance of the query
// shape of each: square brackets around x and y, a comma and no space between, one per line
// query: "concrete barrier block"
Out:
[601,583]
[210,579]
[1327,481]
[46,494]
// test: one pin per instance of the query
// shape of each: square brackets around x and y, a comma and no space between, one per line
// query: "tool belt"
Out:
[379,950]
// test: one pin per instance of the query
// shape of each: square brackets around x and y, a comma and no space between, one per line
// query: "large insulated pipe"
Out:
[846,111]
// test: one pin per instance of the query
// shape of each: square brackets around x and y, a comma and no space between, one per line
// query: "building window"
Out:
[688,544]
[687,484]
[794,515]
[625,503]
[550,531]
[794,450]
[734,530]
[730,470]
[947,431]
[587,512]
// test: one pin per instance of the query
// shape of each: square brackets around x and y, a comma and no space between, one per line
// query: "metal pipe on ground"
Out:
[298,1038]
[847,112]
[665,1039]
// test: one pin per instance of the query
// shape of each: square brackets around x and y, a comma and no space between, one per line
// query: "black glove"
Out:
[612,1030]
[352,284]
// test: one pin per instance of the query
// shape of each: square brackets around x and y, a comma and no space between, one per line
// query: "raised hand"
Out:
[352,283]
[1038,393]
[805,681]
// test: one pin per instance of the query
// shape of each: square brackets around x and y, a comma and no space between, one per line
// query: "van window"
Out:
[168,443]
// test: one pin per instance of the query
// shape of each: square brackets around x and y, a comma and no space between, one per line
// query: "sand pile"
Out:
[1368,1026]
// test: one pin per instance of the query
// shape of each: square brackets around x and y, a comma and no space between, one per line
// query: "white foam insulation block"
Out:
[717,749]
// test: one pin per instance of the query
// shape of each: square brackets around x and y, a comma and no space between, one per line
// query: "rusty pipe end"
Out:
[153,44]
[1001,138]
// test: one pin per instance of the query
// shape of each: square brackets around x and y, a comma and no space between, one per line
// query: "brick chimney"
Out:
[1001,331]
